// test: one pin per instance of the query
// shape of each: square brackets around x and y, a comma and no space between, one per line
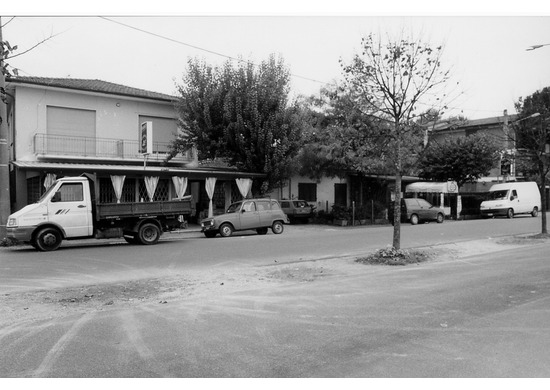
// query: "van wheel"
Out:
[277,227]
[226,230]
[47,239]
[535,212]
[440,218]
[148,234]
[414,219]
[510,213]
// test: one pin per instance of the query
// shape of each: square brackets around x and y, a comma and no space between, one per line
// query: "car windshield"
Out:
[498,195]
[234,207]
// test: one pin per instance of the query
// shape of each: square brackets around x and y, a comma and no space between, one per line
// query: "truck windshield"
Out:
[498,195]
[47,193]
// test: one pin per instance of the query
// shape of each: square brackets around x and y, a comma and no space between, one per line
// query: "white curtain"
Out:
[118,183]
[49,180]
[210,185]
[244,186]
[180,184]
[151,185]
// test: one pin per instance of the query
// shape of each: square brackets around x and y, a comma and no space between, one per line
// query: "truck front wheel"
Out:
[47,239]
[148,234]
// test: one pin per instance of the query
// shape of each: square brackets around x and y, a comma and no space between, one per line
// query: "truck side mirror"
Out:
[56,197]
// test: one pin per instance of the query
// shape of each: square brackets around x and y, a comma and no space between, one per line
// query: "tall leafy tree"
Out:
[389,81]
[241,114]
[532,133]
[463,159]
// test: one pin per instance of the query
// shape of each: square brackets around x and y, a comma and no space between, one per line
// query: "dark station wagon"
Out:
[297,210]
[418,210]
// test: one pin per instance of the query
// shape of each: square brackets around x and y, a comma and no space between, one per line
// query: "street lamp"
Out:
[534,47]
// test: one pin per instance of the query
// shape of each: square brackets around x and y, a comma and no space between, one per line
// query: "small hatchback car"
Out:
[248,214]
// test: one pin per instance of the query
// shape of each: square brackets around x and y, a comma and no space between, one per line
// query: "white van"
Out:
[512,198]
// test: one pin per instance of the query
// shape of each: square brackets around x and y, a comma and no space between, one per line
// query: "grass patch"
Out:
[391,256]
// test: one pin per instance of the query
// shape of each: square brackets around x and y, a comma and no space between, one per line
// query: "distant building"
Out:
[499,128]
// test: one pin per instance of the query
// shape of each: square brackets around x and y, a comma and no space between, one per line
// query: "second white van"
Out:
[512,198]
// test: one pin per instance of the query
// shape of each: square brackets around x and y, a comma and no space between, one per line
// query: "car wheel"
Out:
[262,231]
[535,212]
[47,239]
[510,213]
[148,234]
[440,218]
[226,230]
[414,219]
[210,234]
[277,227]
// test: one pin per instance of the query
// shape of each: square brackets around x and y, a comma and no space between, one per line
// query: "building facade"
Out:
[67,127]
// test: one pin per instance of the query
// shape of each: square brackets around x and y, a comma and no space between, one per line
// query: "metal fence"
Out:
[60,145]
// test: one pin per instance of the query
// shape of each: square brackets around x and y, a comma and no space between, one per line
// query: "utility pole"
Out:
[5,204]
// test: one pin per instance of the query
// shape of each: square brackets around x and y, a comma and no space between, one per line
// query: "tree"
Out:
[532,133]
[241,114]
[7,52]
[389,81]
[463,159]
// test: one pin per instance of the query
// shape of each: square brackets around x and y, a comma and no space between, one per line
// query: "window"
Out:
[71,192]
[262,205]
[307,191]
[71,131]
[249,206]
[285,204]
[275,205]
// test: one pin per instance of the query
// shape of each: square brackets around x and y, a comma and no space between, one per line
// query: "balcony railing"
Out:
[100,148]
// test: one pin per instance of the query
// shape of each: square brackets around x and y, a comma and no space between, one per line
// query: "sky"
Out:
[148,48]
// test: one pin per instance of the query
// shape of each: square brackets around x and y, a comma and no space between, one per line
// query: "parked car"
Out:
[248,214]
[297,210]
[418,210]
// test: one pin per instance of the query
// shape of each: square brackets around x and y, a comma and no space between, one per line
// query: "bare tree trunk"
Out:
[542,171]
[397,204]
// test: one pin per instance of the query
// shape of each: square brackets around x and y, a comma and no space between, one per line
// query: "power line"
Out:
[200,48]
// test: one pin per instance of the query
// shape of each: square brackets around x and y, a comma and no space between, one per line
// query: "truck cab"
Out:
[64,211]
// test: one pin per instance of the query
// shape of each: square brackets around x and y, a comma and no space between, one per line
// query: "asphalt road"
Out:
[482,312]
[96,261]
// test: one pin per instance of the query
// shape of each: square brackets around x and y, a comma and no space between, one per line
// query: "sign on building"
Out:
[145,138]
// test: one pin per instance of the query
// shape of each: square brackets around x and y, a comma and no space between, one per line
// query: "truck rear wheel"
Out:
[47,239]
[535,212]
[148,234]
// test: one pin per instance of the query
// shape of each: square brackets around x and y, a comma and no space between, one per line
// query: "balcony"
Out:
[46,145]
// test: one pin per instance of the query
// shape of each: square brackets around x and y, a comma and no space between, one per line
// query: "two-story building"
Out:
[65,127]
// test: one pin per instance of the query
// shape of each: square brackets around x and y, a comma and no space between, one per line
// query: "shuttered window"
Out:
[71,131]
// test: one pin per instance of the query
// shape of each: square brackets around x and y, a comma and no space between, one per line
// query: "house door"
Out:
[341,194]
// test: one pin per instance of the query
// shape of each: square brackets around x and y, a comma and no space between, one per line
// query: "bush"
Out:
[392,256]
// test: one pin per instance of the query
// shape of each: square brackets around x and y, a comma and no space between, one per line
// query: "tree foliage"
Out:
[463,159]
[532,133]
[389,81]
[240,114]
